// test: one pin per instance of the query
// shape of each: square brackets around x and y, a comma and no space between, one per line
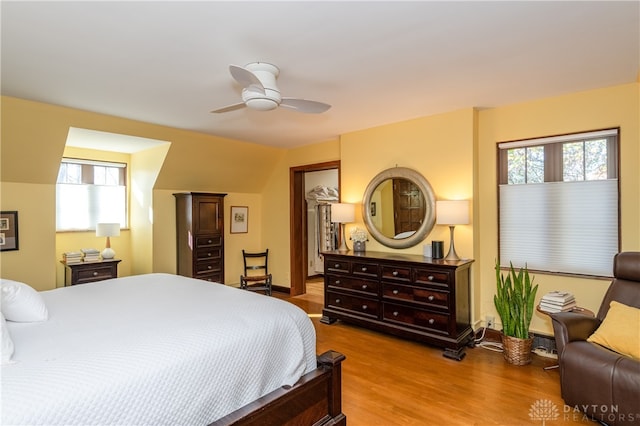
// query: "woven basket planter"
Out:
[517,351]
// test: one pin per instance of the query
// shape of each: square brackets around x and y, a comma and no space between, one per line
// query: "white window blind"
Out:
[568,227]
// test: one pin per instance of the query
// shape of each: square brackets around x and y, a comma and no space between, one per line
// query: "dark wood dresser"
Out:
[410,296]
[200,235]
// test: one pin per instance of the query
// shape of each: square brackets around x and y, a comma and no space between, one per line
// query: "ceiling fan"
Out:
[260,92]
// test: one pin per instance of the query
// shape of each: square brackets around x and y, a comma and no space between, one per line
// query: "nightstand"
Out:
[82,273]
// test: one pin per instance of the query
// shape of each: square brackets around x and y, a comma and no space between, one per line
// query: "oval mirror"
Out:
[399,207]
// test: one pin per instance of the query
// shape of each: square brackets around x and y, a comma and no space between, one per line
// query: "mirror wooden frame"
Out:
[430,201]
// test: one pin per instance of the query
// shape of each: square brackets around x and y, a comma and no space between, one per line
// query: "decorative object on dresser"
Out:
[514,301]
[405,295]
[108,230]
[88,272]
[359,237]
[452,213]
[200,235]
[342,213]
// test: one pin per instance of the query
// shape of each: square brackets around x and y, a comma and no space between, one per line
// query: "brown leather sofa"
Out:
[597,381]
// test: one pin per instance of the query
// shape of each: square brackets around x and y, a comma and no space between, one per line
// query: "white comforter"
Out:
[152,349]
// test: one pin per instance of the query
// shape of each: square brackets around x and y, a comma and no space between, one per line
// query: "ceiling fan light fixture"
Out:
[262,104]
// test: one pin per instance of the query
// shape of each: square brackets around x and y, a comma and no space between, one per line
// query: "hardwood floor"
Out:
[390,381]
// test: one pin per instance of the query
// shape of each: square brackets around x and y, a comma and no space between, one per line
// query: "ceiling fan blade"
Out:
[303,105]
[246,78]
[229,108]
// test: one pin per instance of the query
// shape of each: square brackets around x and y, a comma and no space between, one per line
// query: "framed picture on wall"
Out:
[8,231]
[239,219]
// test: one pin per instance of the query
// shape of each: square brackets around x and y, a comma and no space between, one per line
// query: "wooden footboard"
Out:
[316,399]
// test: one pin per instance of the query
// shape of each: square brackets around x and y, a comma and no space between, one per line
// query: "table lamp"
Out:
[342,213]
[452,213]
[108,230]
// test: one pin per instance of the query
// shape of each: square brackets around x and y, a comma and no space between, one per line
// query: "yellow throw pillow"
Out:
[620,330]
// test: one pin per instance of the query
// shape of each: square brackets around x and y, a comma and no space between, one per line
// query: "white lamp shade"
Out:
[343,213]
[453,212]
[107,229]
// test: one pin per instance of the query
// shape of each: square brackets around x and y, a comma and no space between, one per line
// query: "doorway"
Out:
[298,222]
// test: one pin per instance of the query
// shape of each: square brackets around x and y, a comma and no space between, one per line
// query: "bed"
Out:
[165,349]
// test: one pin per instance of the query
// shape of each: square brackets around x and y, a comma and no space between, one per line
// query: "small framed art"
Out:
[8,231]
[239,219]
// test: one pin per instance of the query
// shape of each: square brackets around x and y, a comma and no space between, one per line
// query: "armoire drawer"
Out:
[211,240]
[208,266]
[361,305]
[209,253]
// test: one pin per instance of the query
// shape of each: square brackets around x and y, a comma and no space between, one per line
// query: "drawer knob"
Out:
[364,307]
[395,313]
[95,274]
[338,301]
[394,273]
[209,254]
[430,277]
[364,286]
[337,281]
[395,292]
[364,269]
[209,267]
[430,298]
[337,265]
[431,320]
[210,241]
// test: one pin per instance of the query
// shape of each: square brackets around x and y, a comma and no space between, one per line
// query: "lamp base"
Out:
[452,255]
[108,253]
[343,243]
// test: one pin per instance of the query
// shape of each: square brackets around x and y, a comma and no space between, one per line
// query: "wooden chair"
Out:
[256,272]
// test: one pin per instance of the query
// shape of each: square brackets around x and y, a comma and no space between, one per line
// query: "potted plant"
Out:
[514,301]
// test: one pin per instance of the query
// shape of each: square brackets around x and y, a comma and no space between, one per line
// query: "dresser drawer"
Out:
[433,277]
[416,317]
[427,296]
[209,253]
[365,269]
[361,305]
[208,266]
[394,273]
[362,285]
[211,240]
[334,265]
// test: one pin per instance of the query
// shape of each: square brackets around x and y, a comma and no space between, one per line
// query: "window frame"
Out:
[554,173]
[87,179]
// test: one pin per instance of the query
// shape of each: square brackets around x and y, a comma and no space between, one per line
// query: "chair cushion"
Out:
[620,330]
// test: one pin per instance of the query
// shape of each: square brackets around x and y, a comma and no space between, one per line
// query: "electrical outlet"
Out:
[489,321]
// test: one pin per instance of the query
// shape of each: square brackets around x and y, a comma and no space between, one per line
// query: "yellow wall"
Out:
[33,139]
[455,151]
[591,110]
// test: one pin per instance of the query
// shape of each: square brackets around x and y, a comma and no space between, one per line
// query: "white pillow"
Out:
[21,303]
[6,351]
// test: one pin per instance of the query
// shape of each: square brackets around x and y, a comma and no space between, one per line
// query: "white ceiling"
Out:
[375,62]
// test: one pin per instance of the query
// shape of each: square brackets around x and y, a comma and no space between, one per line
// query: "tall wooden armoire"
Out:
[200,235]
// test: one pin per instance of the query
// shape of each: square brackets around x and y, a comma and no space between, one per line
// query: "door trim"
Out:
[297,222]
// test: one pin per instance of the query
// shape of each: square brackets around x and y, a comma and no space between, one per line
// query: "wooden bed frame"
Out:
[316,399]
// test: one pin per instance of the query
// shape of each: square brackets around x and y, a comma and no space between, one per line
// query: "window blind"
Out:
[569,227]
